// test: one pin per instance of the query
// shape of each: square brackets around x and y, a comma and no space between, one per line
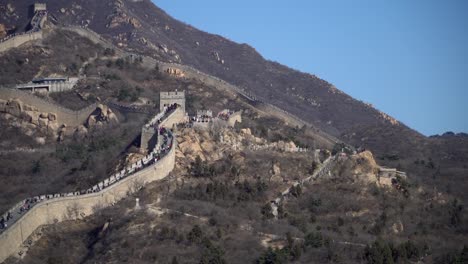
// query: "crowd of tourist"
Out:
[156,121]
[224,115]
[36,21]
[203,117]
[156,154]
[35,26]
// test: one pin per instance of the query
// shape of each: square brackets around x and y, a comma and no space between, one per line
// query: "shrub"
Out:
[212,254]
[195,235]
[314,240]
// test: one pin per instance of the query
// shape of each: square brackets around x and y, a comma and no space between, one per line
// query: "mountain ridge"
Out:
[142,27]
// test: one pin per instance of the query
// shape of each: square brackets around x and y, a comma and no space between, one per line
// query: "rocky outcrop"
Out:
[80,132]
[175,72]
[276,172]
[44,121]
[362,167]
[217,57]
[103,115]
[134,22]
[121,18]
[3,31]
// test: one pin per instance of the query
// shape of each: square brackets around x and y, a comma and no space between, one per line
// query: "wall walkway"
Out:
[64,115]
[192,73]
[16,40]
[50,209]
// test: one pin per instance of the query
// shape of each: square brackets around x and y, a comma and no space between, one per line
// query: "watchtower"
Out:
[40,7]
[168,98]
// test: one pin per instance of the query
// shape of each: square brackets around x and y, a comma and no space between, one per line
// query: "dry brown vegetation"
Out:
[219,214]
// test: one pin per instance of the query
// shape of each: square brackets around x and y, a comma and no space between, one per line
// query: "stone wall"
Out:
[168,98]
[192,73]
[64,115]
[18,40]
[76,207]
[149,139]
[178,116]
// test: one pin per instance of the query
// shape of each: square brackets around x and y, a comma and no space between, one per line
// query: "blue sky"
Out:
[409,58]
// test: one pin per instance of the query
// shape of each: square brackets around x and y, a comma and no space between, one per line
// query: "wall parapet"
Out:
[54,208]
[35,33]
[64,115]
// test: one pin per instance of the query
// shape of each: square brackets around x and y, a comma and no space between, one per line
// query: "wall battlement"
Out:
[14,41]
[64,115]
[149,133]
[40,7]
[52,209]
[35,33]
[169,98]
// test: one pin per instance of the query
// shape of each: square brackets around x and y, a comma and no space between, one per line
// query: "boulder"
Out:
[52,117]
[101,116]
[43,122]
[14,107]
[10,8]
[29,108]
[246,131]
[290,146]
[80,132]
[134,22]
[31,117]
[112,118]
[275,169]
[281,145]
[61,136]
[40,140]
[53,127]
[3,31]
[91,122]
[3,104]
[276,178]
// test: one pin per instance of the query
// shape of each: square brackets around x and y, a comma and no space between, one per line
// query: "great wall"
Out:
[64,115]
[26,216]
[54,208]
[168,68]
[189,72]
[35,33]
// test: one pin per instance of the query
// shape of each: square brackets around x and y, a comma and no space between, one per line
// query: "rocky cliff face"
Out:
[30,116]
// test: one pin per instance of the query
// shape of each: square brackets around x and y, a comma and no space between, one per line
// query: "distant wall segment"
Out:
[64,115]
[18,40]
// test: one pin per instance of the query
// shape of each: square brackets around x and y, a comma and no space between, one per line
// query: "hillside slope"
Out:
[142,27]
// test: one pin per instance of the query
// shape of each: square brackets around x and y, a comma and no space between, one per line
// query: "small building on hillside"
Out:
[49,85]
